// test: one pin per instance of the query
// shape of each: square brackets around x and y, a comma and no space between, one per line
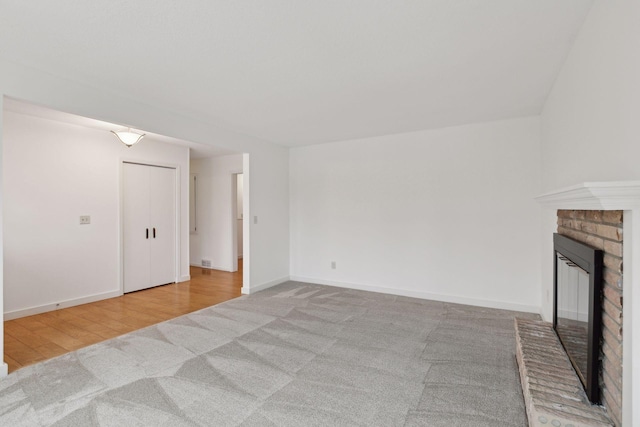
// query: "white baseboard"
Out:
[503,305]
[184,278]
[4,370]
[264,286]
[15,314]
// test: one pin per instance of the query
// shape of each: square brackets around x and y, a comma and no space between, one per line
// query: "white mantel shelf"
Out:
[614,195]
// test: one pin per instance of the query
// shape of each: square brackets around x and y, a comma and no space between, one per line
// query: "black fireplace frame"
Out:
[590,260]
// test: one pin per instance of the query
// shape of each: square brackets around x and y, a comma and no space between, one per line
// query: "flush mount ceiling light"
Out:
[128,137]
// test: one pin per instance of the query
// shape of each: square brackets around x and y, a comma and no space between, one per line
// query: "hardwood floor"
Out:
[36,338]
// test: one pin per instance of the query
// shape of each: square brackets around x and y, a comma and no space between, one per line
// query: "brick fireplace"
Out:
[603,230]
[601,214]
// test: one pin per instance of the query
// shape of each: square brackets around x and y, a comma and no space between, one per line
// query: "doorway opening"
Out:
[237,195]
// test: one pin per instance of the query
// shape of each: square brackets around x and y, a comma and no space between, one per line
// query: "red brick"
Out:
[610,354]
[613,409]
[612,217]
[612,325]
[612,278]
[588,227]
[614,295]
[609,232]
[613,248]
[614,393]
[596,242]
[595,216]
[575,214]
[614,312]
[576,235]
[571,214]
[613,386]
[613,373]
[565,222]
[613,263]
[611,341]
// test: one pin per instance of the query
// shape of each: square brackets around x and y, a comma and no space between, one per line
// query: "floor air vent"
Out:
[206,263]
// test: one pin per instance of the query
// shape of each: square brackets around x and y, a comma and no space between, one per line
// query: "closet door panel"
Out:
[162,191]
[136,256]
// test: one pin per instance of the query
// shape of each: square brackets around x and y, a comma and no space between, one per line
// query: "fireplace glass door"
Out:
[573,311]
[577,314]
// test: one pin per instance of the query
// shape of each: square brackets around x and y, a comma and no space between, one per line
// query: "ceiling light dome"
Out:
[128,137]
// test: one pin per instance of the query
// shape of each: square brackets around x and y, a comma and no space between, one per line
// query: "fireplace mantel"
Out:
[625,196]
[616,195]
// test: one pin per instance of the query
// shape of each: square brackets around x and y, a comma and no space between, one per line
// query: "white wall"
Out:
[590,133]
[266,219]
[591,120]
[445,214]
[216,211]
[53,173]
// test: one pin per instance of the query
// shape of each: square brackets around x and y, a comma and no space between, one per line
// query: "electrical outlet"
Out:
[333,265]
[85,219]
[255,219]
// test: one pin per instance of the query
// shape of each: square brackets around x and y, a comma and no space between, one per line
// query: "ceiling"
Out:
[305,71]
[196,151]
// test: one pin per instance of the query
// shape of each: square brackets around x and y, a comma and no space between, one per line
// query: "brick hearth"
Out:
[552,391]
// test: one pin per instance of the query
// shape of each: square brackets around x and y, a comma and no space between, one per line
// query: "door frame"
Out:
[234,218]
[177,244]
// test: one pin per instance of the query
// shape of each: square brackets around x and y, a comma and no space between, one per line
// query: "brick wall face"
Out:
[603,230]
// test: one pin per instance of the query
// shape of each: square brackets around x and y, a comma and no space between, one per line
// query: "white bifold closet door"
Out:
[149,226]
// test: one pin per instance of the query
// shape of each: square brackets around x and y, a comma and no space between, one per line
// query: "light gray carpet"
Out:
[293,355]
